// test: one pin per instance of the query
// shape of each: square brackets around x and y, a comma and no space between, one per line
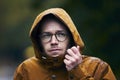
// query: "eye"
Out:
[45,35]
[61,34]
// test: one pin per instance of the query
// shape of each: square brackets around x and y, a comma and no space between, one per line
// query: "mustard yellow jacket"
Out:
[42,68]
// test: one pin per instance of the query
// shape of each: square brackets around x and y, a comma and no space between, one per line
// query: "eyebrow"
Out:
[55,32]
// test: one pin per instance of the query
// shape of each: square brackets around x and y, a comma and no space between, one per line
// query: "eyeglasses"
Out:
[47,36]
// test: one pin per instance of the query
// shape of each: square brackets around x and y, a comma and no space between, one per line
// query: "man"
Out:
[58,52]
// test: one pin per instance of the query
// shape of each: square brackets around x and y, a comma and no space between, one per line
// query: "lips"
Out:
[54,50]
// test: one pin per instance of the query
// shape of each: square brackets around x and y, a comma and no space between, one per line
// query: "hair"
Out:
[53,17]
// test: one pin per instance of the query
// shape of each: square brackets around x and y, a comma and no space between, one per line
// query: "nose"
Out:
[54,40]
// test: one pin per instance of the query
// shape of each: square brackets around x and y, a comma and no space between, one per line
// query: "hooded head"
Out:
[59,15]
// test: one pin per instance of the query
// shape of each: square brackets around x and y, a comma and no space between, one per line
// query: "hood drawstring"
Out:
[53,77]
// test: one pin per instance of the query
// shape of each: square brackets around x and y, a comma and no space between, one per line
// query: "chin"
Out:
[56,55]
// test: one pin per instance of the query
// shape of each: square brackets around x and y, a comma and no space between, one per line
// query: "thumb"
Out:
[78,47]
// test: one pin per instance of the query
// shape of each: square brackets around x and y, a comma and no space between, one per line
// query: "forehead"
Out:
[52,25]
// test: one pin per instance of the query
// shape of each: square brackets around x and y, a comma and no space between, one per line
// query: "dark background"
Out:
[98,22]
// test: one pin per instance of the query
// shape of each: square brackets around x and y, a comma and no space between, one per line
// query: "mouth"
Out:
[55,50]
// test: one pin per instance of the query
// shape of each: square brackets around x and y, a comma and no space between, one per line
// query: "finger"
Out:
[78,47]
[68,68]
[73,60]
[70,58]
[68,64]
[78,56]
[76,50]
[71,53]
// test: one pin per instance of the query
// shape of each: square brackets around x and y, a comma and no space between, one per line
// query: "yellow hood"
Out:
[64,17]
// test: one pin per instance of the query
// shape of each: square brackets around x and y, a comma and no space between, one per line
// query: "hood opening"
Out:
[39,52]
[38,27]
[62,16]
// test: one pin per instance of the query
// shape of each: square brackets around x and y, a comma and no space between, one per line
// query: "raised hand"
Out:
[72,58]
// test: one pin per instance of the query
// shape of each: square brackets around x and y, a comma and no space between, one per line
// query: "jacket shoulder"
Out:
[25,68]
[91,59]
[27,63]
[93,68]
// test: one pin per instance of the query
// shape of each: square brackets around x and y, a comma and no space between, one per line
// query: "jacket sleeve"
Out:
[20,73]
[92,69]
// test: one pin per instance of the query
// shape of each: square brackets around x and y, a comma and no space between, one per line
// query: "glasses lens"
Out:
[45,37]
[61,36]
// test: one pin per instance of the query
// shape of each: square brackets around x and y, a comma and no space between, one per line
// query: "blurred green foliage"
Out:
[98,22]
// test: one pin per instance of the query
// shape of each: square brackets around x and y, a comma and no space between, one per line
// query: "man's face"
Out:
[54,38]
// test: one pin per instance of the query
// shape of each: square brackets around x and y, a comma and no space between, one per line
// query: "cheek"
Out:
[65,45]
[45,46]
